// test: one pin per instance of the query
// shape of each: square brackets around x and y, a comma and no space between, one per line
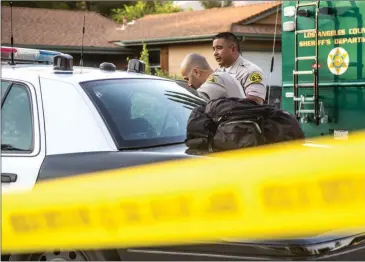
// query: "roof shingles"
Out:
[37,26]
[50,27]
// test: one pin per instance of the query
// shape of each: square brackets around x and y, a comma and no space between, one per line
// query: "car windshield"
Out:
[143,112]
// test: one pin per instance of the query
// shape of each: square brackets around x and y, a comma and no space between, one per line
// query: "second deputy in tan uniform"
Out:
[226,52]
[209,84]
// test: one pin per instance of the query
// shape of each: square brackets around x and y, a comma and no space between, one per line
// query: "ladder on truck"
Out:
[314,99]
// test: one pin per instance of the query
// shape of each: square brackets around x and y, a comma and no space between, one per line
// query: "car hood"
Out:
[336,247]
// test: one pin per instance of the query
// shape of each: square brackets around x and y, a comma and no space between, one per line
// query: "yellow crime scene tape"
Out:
[283,190]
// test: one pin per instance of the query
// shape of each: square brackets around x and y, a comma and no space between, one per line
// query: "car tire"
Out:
[67,256]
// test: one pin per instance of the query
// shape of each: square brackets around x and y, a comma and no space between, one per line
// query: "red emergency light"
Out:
[26,54]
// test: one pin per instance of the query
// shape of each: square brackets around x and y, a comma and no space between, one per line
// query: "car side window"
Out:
[16,119]
[152,110]
[147,107]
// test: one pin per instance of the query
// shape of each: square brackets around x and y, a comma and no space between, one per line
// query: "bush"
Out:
[142,8]
[145,58]
[165,74]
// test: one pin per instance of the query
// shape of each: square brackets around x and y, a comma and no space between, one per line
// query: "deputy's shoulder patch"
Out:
[212,79]
[256,77]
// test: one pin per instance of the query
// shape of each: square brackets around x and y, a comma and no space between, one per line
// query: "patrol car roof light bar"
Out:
[27,55]
[137,66]
[63,64]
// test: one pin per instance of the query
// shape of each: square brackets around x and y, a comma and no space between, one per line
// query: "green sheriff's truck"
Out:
[323,72]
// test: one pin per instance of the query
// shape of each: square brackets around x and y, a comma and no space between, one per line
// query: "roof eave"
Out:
[261,16]
[165,41]
[262,37]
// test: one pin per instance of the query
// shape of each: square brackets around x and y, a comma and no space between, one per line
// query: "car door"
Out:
[22,147]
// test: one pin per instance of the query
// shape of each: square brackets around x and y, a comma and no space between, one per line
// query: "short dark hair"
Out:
[230,37]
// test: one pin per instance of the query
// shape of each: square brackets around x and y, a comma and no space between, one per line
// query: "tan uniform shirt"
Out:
[249,75]
[221,85]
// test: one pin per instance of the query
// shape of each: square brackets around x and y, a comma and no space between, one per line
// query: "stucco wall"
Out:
[178,52]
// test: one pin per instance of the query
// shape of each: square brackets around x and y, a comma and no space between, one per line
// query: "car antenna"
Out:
[82,45]
[11,34]
[273,54]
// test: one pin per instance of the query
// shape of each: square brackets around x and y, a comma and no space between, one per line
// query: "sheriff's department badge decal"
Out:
[256,77]
[212,79]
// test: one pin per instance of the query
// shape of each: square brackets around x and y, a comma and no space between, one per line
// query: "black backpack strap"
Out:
[210,144]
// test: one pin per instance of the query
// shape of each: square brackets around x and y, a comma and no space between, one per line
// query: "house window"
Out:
[154,60]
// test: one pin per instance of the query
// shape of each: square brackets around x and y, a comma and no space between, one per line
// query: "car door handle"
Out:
[8,177]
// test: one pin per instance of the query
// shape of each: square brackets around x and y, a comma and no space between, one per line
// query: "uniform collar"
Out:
[233,68]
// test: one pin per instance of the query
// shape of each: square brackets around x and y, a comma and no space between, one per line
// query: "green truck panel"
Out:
[341,57]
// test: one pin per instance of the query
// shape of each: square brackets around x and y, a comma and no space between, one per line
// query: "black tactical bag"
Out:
[233,123]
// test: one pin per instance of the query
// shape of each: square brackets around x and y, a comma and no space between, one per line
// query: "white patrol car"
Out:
[59,120]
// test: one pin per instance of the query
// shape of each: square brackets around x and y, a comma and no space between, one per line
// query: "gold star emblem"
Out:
[337,61]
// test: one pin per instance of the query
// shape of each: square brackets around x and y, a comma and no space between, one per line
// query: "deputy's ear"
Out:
[234,48]
[196,71]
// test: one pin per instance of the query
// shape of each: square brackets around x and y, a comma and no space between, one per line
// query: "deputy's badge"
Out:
[255,77]
[212,79]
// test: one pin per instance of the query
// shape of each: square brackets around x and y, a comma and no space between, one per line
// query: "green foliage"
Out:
[215,4]
[142,8]
[145,58]
[162,73]
[116,10]
[165,74]
[176,77]
[163,7]
[105,7]
[130,12]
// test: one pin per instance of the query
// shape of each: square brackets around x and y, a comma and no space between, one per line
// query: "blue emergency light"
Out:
[27,54]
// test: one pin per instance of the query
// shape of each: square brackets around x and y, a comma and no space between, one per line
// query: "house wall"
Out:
[178,52]
[257,45]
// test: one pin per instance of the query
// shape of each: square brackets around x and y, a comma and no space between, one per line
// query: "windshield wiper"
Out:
[9,147]
[185,97]
[149,146]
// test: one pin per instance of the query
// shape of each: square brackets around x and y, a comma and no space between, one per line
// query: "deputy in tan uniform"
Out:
[209,84]
[226,51]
